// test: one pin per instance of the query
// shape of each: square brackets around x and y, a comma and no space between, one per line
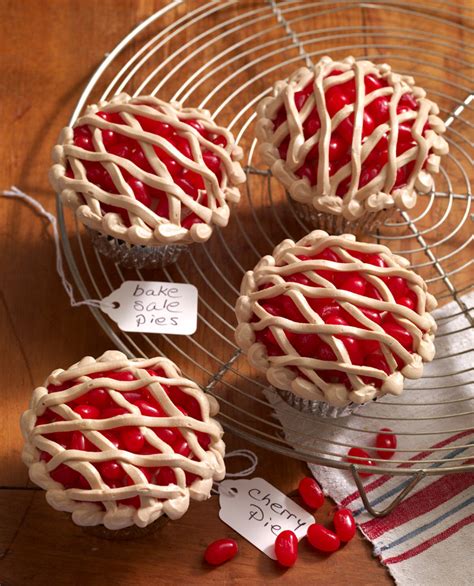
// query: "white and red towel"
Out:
[428,540]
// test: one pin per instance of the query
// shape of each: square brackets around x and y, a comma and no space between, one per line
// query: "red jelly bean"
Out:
[375,259]
[123,376]
[335,320]
[400,334]
[204,439]
[83,138]
[377,361]
[109,412]
[380,109]
[169,436]
[132,439]
[149,410]
[133,396]
[311,492]
[87,411]
[371,83]
[221,551]
[335,100]
[121,150]
[388,440]
[112,437]
[354,349]
[219,141]
[408,301]
[397,286]
[355,285]
[308,171]
[65,476]
[323,539]
[111,470]
[166,476]
[79,442]
[372,315]
[367,175]
[140,191]
[324,352]
[331,309]
[344,524]
[361,457]
[97,397]
[183,146]
[337,148]
[290,310]
[212,161]
[327,254]
[181,447]
[109,138]
[311,125]
[306,344]
[286,548]
[154,126]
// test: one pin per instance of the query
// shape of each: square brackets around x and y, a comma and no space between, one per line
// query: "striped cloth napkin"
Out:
[428,539]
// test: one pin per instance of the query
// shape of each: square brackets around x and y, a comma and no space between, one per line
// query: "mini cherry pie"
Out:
[335,320]
[121,442]
[351,137]
[148,172]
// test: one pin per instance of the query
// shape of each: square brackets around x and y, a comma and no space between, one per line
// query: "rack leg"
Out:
[396,501]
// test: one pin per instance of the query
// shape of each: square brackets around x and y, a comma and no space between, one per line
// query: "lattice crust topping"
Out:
[351,137]
[333,319]
[120,442]
[147,171]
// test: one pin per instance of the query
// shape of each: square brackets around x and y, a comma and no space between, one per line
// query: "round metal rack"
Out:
[227,63]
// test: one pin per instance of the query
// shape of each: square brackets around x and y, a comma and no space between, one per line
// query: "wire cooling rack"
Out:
[225,56]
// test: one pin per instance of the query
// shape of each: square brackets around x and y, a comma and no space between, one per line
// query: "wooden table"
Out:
[49,50]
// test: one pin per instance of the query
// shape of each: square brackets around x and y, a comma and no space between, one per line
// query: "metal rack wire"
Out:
[227,68]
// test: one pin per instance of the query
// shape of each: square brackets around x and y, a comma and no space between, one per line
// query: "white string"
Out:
[14,192]
[251,456]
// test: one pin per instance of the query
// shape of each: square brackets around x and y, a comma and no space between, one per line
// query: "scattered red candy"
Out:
[323,539]
[386,443]
[286,548]
[311,492]
[361,457]
[344,524]
[221,551]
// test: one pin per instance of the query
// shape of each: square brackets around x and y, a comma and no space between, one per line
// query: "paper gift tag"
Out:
[259,511]
[153,307]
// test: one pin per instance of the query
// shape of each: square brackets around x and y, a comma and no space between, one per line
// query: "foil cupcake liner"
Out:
[318,408]
[336,224]
[133,256]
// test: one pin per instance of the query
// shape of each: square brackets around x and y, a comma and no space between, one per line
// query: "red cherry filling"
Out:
[375,114]
[362,352]
[98,404]
[128,148]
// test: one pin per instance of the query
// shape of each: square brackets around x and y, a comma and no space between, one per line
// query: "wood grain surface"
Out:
[48,50]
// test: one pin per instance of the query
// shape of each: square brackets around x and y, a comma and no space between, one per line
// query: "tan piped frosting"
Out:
[379,193]
[208,464]
[271,269]
[148,228]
